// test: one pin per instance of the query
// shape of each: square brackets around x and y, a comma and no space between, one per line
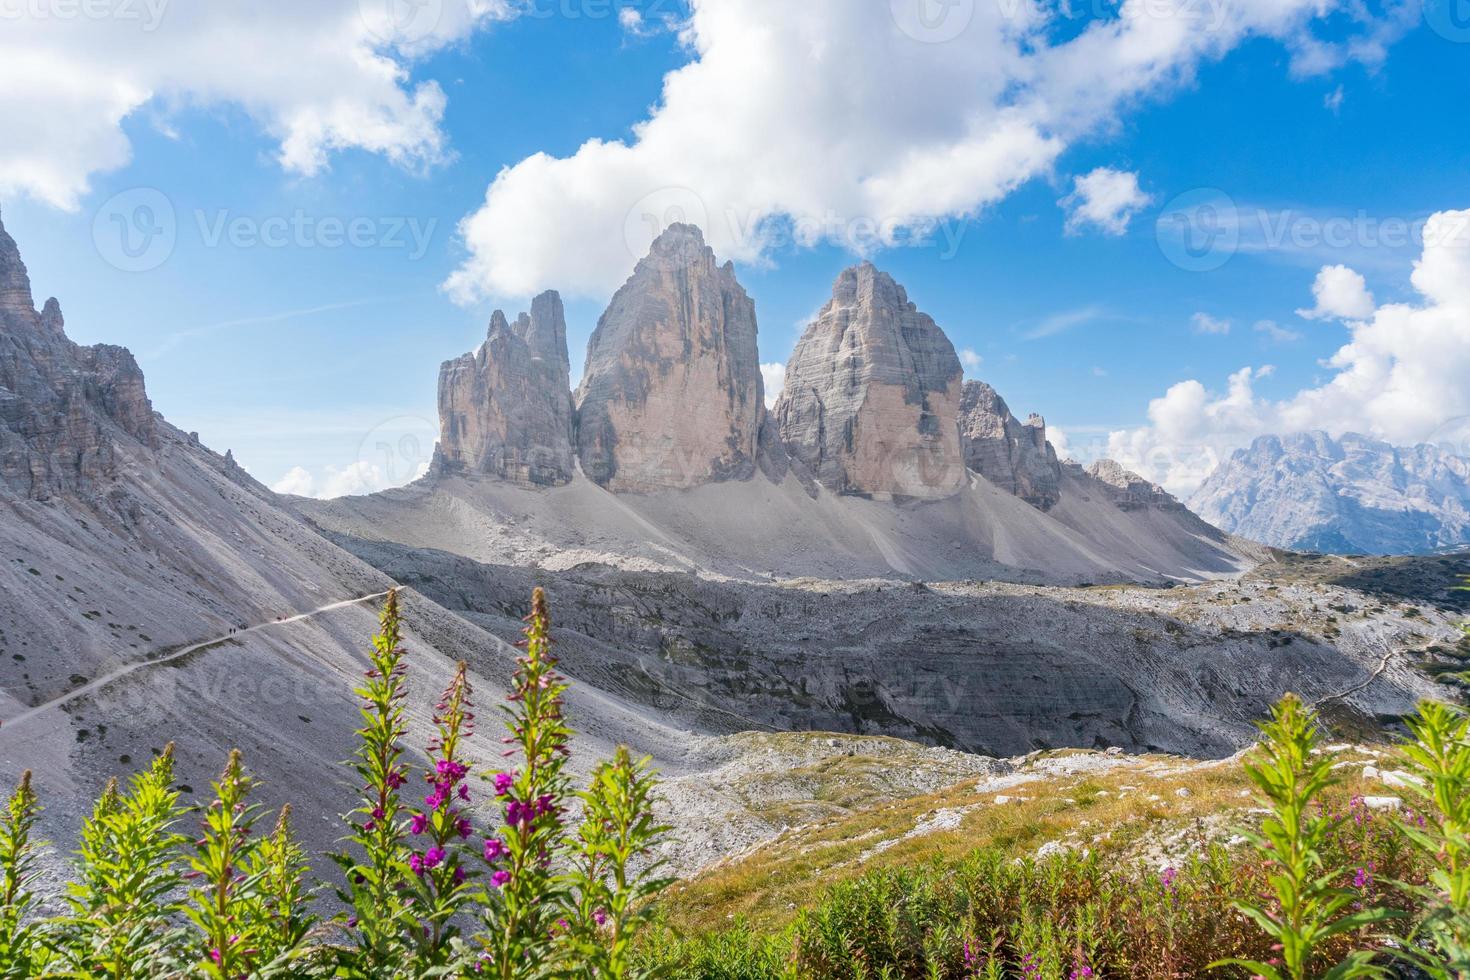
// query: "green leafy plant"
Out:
[1438,760]
[22,951]
[375,863]
[225,866]
[123,906]
[1310,905]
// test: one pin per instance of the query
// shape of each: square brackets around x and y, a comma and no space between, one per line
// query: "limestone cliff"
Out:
[872,394]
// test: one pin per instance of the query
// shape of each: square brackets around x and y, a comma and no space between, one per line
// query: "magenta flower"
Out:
[600,916]
[464,827]
[433,857]
[416,864]
[495,849]
[500,879]
[503,782]
[419,823]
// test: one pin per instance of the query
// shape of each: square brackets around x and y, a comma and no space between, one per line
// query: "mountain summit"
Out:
[672,397]
[1351,495]
[873,392]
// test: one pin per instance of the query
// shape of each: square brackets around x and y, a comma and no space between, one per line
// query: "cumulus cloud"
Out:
[779,132]
[1276,333]
[1341,294]
[1105,199]
[1400,377]
[971,360]
[774,376]
[354,480]
[317,77]
[1206,324]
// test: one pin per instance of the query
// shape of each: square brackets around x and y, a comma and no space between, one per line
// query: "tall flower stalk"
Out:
[123,909]
[1439,758]
[1310,905]
[21,949]
[223,866]
[375,863]
[281,919]
[526,896]
[612,878]
[441,880]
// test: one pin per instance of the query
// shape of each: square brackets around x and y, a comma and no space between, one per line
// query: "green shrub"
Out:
[427,895]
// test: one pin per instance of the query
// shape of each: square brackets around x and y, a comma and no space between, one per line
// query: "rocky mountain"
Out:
[672,396]
[150,590]
[506,410]
[1011,454]
[1351,495]
[63,408]
[872,394]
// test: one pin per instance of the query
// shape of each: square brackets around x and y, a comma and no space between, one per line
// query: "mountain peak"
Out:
[15,282]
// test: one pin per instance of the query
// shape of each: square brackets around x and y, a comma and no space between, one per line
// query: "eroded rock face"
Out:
[1350,495]
[63,407]
[506,410]
[872,394]
[1127,489]
[1012,454]
[672,395]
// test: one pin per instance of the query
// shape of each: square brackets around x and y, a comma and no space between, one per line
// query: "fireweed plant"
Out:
[425,894]
[1309,904]
[122,899]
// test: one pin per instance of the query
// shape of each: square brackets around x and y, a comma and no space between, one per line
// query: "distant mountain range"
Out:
[1351,495]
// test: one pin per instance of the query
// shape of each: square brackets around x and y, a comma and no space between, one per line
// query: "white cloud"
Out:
[779,131]
[354,480]
[1059,442]
[1099,372]
[1400,377]
[297,483]
[1206,324]
[1341,294]
[774,376]
[1276,333]
[971,360]
[317,77]
[1333,101]
[1105,199]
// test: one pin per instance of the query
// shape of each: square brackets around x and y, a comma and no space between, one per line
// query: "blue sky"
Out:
[319,354]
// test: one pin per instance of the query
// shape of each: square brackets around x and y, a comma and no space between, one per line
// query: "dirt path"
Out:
[91,687]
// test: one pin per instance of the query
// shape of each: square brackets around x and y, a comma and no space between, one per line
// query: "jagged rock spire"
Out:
[506,410]
[15,283]
[872,394]
[672,395]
